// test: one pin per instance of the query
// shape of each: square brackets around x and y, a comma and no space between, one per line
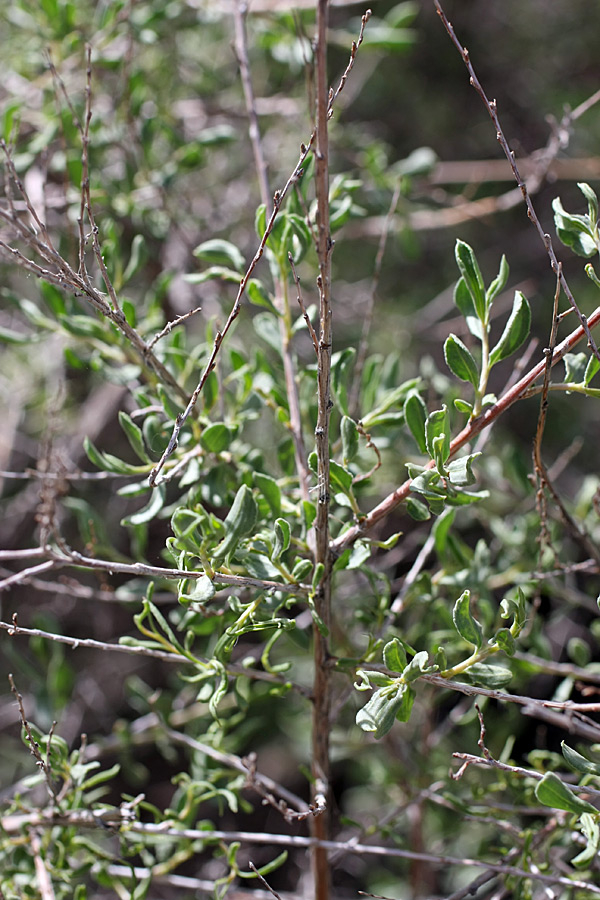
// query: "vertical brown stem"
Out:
[322,687]
[241,47]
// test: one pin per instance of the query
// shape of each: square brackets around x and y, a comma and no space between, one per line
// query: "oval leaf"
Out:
[460,360]
[467,626]
[220,252]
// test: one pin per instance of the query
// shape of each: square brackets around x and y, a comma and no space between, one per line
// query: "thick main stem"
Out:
[322,686]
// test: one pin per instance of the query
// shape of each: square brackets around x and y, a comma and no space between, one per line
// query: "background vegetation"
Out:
[200,649]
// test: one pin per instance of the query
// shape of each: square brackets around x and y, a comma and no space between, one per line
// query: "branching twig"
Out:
[171,325]
[139,650]
[73,558]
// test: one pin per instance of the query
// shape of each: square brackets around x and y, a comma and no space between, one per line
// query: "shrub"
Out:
[301,555]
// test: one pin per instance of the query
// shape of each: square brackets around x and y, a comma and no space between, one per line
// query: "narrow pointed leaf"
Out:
[592,199]
[349,431]
[467,626]
[515,330]
[415,413]
[470,271]
[499,282]
[552,792]
[579,762]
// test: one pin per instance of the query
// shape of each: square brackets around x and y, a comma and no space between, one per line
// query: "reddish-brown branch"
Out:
[471,430]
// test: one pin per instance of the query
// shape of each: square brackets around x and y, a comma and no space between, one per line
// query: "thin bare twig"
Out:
[469,759]
[247,767]
[171,325]
[492,109]
[241,49]
[41,763]
[235,311]
[264,881]
[309,325]
[539,467]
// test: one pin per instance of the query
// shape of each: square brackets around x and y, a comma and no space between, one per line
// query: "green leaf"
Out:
[415,413]
[579,762]
[270,491]
[258,296]
[150,511]
[417,667]
[341,366]
[515,330]
[283,534]
[505,641]
[552,792]
[460,470]
[301,569]
[440,530]
[137,258]
[591,369]
[349,432]
[467,626]
[460,360]
[493,677]
[417,510]
[221,252]
[212,274]
[576,232]
[203,590]
[340,477]
[499,282]
[463,407]
[575,367]
[7,336]
[394,656]
[592,199]
[109,463]
[470,271]
[260,220]
[239,522]
[134,436]
[437,425]
[591,831]
[379,714]
[405,708]
[216,437]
